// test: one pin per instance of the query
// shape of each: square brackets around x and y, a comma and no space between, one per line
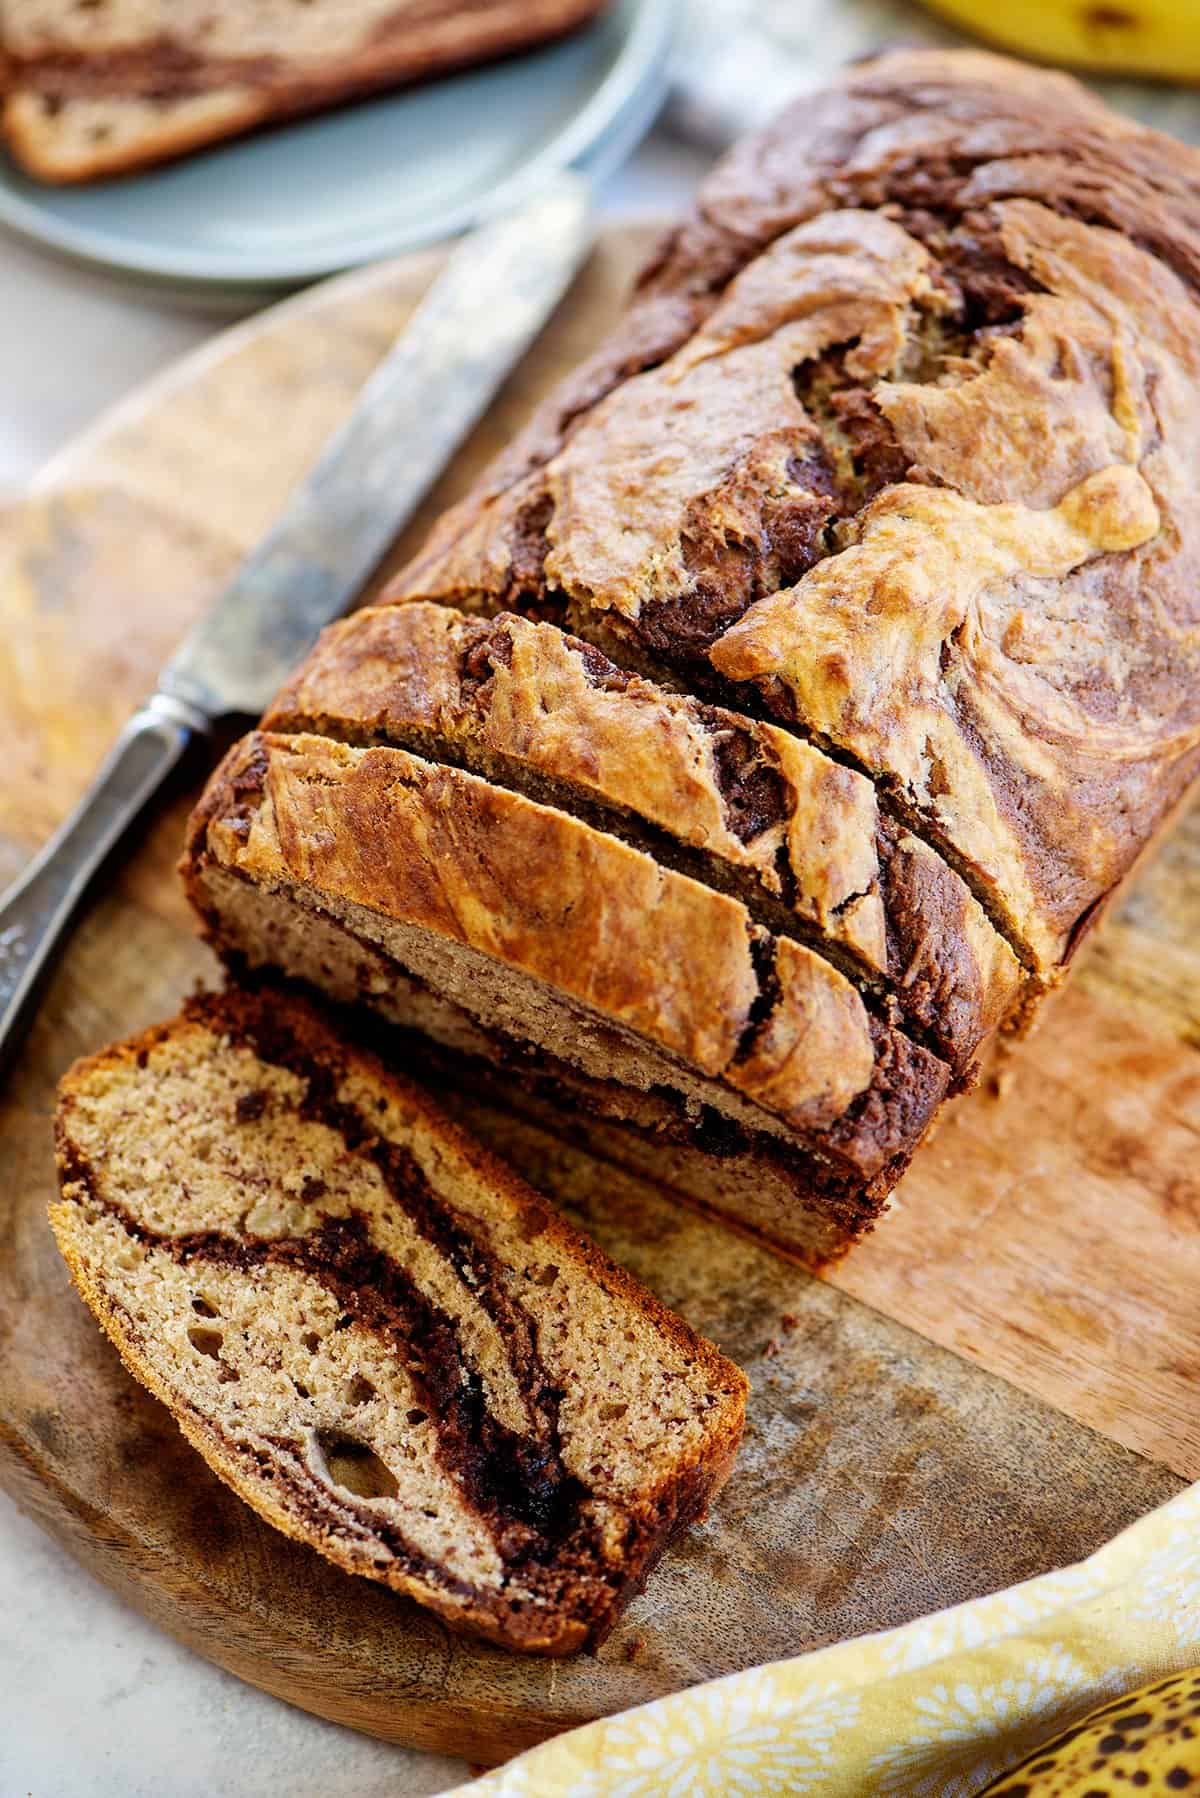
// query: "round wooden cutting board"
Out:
[1004,1376]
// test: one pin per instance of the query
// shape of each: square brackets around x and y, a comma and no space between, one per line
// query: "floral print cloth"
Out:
[933,1710]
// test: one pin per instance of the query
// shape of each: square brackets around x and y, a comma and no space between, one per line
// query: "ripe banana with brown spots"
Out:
[1133,37]
[1145,1744]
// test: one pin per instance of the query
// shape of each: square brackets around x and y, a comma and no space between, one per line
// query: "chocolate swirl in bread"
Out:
[544,930]
[743,805]
[374,1333]
[896,445]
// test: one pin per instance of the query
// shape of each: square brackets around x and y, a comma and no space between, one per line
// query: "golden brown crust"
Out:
[774,820]
[526,694]
[812,1200]
[89,96]
[664,1504]
[544,894]
[894,448]
[116,138]
[917,571]
[924,360]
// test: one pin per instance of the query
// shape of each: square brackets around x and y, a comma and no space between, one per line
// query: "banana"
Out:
[1132,37]
[1146,1743]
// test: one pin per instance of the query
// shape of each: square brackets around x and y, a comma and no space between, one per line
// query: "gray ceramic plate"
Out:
[373,179]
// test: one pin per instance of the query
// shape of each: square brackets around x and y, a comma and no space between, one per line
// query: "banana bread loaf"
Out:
[374,1333]
[852,583]
[100,88]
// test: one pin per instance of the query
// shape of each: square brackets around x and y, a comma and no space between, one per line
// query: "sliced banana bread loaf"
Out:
[872,528]
[373,1332]
[97,87]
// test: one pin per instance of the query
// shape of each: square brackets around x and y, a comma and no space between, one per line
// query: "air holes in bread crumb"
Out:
[359,1391]
[350,1464]
[210,1343]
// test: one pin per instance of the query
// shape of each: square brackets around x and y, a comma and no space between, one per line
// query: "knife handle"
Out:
[37,909]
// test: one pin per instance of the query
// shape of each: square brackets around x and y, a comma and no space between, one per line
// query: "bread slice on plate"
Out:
[375,1333]
[107,86]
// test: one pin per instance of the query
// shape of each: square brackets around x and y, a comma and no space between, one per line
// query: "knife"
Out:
[478,318]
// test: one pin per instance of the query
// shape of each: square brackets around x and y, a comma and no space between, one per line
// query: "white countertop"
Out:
[94,1702]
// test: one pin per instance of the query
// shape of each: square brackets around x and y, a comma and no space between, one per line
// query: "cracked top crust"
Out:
[897,444]
[768,816]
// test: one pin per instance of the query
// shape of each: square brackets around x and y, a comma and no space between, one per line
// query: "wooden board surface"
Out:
[1006,1374]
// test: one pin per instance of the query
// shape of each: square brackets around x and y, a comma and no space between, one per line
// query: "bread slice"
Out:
[770,1185]
[739,804]
[372,1331]
[554,936]
[115,85]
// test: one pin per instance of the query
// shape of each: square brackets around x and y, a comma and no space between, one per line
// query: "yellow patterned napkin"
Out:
[933,1710]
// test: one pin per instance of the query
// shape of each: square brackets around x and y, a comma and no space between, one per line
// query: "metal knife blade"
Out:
[482,312]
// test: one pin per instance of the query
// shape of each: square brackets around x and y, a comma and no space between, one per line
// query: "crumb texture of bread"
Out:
[115,85]
[733,1160]
[391,1348]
